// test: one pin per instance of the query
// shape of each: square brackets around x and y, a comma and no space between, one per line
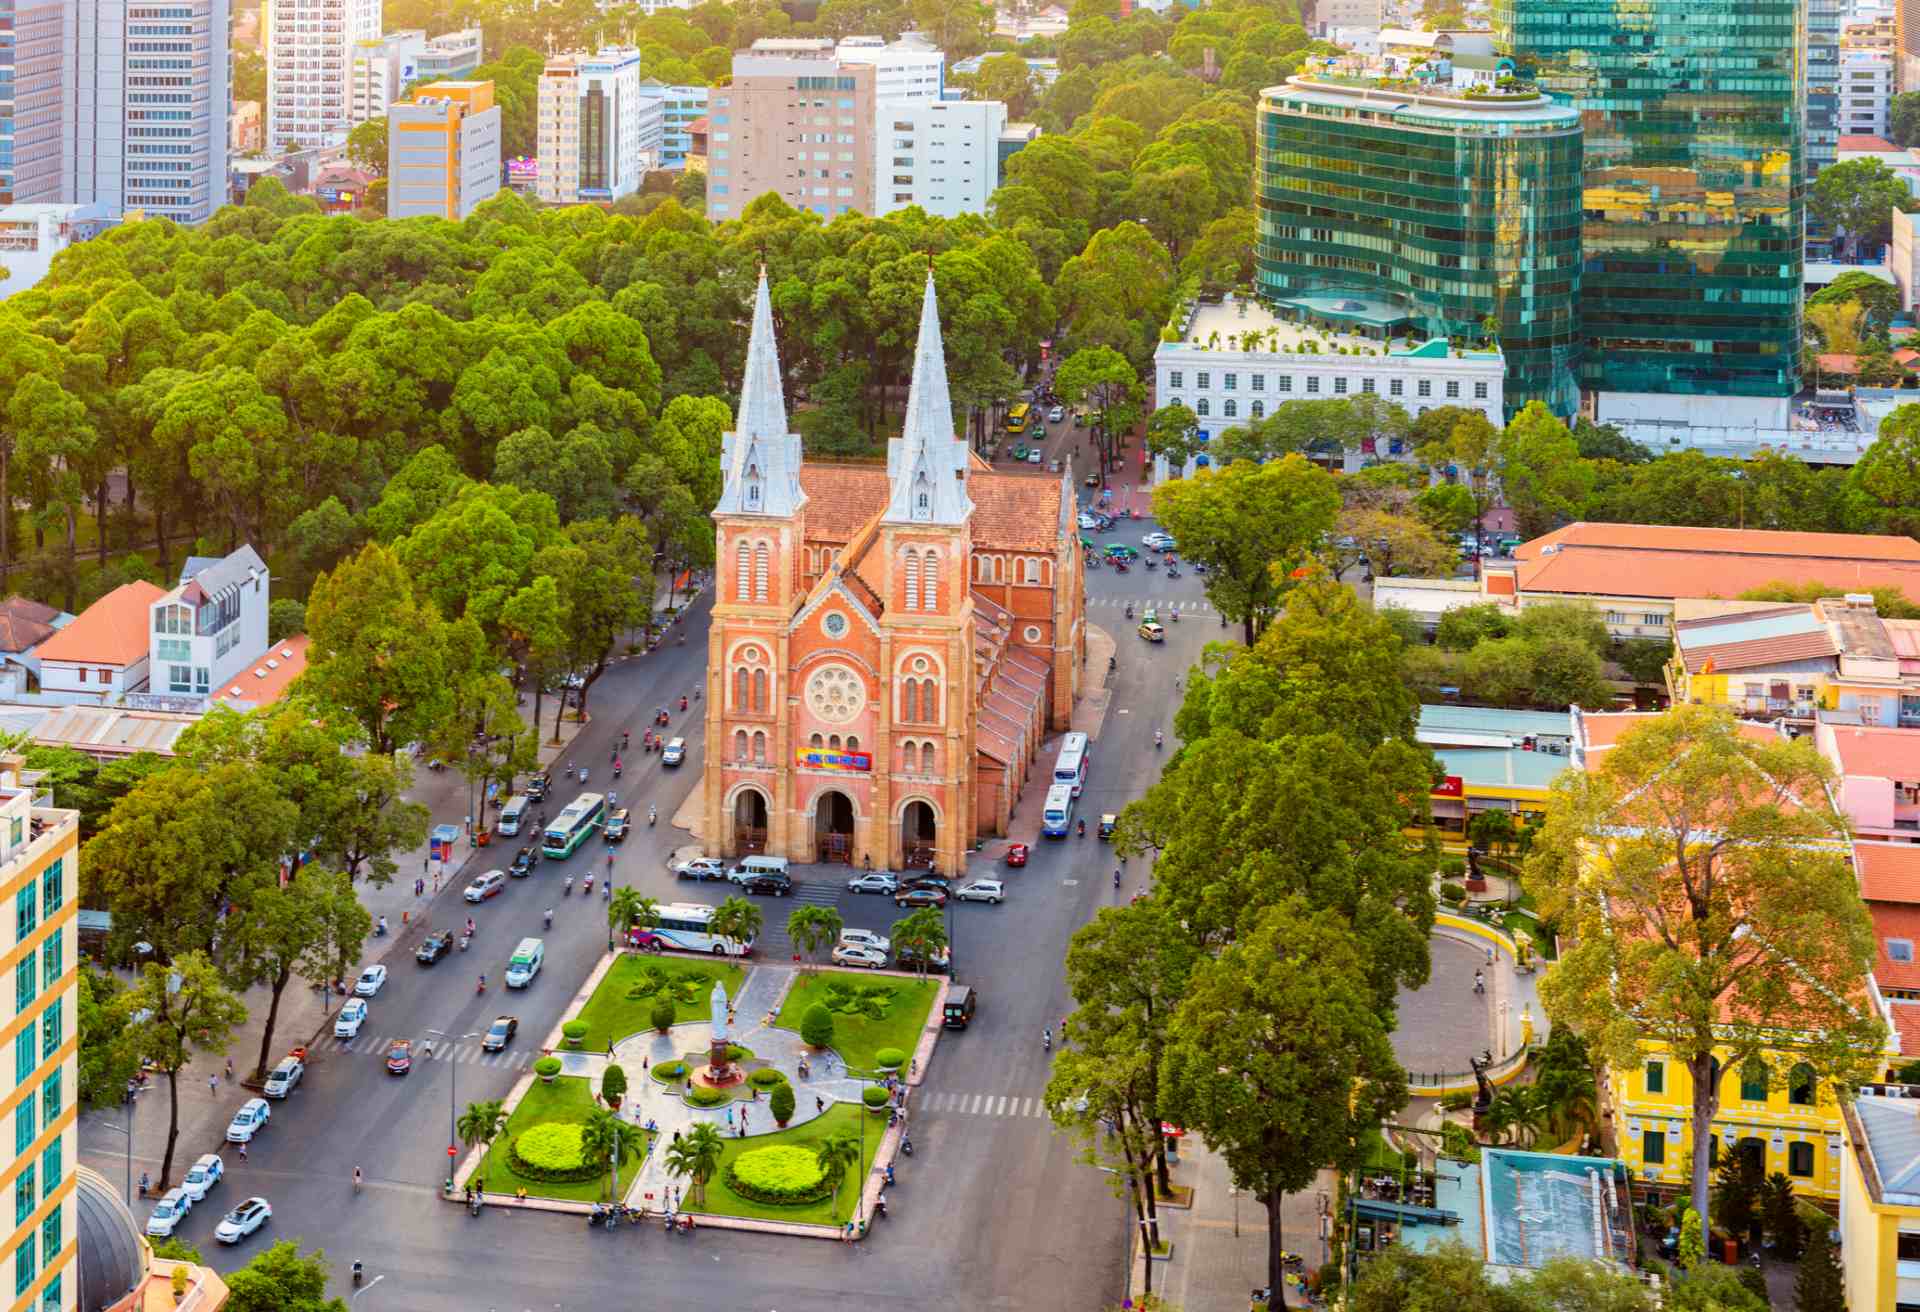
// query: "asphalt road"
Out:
[993,1211]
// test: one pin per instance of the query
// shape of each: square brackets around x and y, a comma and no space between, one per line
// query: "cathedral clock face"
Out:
[835,624]
[836,694]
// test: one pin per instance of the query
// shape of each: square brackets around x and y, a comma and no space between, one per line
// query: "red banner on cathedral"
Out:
[816,758]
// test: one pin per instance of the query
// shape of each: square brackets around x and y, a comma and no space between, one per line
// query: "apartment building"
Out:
[211,626]
[1866,92]
[908,69]
[796,121]
[310,45]
[379,70]
[680,106]
[121,104]
[443,150]
[40,875]
[942,155]
[454,56]
[31,235]
[597,135]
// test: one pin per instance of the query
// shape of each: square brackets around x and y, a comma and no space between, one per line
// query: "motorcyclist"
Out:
[1046,1038]
[1156,738]
[1116,876]
[549,917]
[652,815]
[483,985]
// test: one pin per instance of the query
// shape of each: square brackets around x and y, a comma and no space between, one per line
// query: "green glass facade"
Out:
[1695,196]
[1455,209]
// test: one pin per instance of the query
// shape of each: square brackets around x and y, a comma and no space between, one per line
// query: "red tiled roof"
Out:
[1893,920]
[1838,362]
[1627,573]
[25,623]
[1889,872]
[1011,512]
[1877,753]
[1601,730]
[1906,1025]
[112,631]
[1867,141]
[1724,541]
[267,679]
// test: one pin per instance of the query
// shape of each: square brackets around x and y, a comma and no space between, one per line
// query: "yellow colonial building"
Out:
[1880,1199]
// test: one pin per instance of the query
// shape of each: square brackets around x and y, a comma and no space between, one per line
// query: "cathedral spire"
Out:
[927,464]
[761,458]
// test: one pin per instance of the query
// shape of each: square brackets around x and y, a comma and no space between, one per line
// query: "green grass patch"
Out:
[859,1038]
[567,1101]
[612,1014]
[838,1119]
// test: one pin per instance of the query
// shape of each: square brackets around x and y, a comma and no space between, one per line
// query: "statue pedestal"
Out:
[720,1070]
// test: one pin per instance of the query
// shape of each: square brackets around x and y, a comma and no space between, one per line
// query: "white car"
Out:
[1036,456]
[203,1175]
[485,886]
[1089,523]
[248,1121]
[243,1220]
[981,890]
[1056,414]
[874,881]
[352,1016]
[282,1078]
[866,938]
[702,867]
[1158,541]
[851,954]
[169,1212]
[370,981]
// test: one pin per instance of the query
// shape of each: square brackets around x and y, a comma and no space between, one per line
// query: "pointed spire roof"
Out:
[927,464]
[761,458]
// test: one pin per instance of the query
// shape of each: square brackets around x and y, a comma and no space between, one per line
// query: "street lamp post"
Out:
[453,1099]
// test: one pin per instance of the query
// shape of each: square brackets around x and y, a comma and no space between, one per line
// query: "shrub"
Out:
[874,1096]
[670,1070]
[547,1067]
[551,1152]
[613,1082]
[1452,893]
[890,1059]
[737,1053]
[779,1174]
[1455,1102]
[816,1026]
[701,1096]
[766,1077]
[780,1102]
[574,1031]
[663,1015]
[1452,867]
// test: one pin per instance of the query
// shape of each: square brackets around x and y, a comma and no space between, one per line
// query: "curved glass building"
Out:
[1427,211]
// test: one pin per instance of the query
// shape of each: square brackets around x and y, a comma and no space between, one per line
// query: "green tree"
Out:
[1645,659]
[628,908]
[1101,378]
[1887,475]
[1857,197]
[811,929]
[695,1156]
[378,655]
[1253,526]
[1468,447]
[837,1154]
[281,1279]
[736,918]
[1903,118]
[1173,433]
[1541,472]
[367,146]
[607,1139]
[1718,856]
[922,933]
[1007,78]
[1819,1285]
[816,1026]
[481,1123]
[1880,300]
[1466,627]
[106,1057]
[173,1012]
[1693,1246]
[1736,1195]
[1280,1059]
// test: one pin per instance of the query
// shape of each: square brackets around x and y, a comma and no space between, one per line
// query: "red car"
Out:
[399,1057]
[1017,854]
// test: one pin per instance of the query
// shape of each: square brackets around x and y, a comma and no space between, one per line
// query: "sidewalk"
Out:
[1219,1248]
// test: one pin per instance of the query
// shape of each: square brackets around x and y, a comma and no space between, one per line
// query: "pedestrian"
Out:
[646,1061]
[1479,982]
[676,1136]
[819,1105]
[243,1152]
[743,1118]
[229,1068]
[213,1086]
[609,1047]
[729,1118]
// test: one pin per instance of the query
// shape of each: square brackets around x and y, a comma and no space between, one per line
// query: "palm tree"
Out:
[628,907]
[837,1154]
[812,928]
[696,1155]
[607,1138]
[737,919]
[481,1123]
[923,933]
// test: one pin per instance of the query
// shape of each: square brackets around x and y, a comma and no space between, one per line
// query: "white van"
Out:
[757,865]
[525,962]
[512,814]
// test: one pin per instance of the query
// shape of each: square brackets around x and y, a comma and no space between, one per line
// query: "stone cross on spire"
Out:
[761,458]
[927,464]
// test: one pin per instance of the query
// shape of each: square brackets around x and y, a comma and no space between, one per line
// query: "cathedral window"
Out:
[815,743]
[913,579]
[926,758]
[739,744]
[909,701]
[931,581]
[929,714]
[760,690]
[760,572]
[743,558]
[759,749]
[740,702]
[853,743]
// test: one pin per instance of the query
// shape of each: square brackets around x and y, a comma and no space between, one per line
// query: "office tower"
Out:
[6,102]
[597,134]
[1393,212]
[942,155]
[452,57]
[379,71]
[795,121]
[443,150]
[1906,44]
[121,104]
[679,107]
[907,69]
[1695,197]
[1866,92]
[309,50]
[1823,82]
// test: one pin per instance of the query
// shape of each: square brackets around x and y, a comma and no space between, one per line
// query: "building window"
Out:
[1200,407]
[52,1028]
[1899,949]
[1258,410]
[931,581]
[24,1269]
[1453,387]
[1259,382]
[50,1098]
[1230,409]
[50,1169]
[1753,1080]
[26,983]
[760,691]
[1313,383]
[24,1126]
[759,749]
[26,911]
[1653,1147]
[25,1196]
[24,1061]
[1396,386]
[739,744]
[1366,385]
[1800,1086]
[742,680]
[1424,387]
[1800,1160]
[53,887]
[913,579]
[1479,391]
[50,1236]
[1656,1077]
[1286,382]
[1176,378]
[743,562]
[1203,381]
[1231,381]
[760,572]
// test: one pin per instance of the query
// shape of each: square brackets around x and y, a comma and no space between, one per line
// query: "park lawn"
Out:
[839,1118]
[857,1038]
[611,1015]
[568,1098]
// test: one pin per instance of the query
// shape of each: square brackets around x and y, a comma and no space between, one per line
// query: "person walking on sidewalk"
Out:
[213,1086]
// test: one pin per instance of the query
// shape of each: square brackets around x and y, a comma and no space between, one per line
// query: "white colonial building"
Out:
[1235,361]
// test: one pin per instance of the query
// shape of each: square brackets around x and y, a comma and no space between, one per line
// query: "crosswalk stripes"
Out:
[465,1053]
[1185,604]
[817,893]
[983,1104]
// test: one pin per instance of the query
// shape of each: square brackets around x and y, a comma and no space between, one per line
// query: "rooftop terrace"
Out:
[1315,327]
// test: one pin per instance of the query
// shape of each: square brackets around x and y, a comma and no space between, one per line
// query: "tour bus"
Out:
[574,825]
[683,926]
[1070,767]
[1017,418]
[1058,812]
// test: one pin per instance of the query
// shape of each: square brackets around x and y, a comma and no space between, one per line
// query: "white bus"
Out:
[1070,767]
[574,825]
[1057,814]
[683,927]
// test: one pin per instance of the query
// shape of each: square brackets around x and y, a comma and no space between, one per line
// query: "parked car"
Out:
[500,1034]
[874,881]
[927,879]
[674,752]
[768,883]
[1158,541]
[1121,551]
[248,1121]
[1089,522]
[920,895]
[243,1221]
[370,981]
[981,890]
[352,1016]
[204,1174]
[168,1213]
[282,1078]
[399,1057]
[619,825]
[702,867]
[866,938]
[435,946]
[851,954]
[906,958]
[485,886]
[1035,456]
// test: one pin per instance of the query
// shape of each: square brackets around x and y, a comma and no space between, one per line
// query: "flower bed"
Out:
[784,1175]
[551,1152]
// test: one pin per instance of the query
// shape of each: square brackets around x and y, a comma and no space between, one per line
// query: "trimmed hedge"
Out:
[670,1070]
[779,1174]
[547,1066]
[890,1059]
[766,1077]
[551,1152]
[664,1015]
[574,1031]
[874,1096]
[1453,893]
[780,1102]
[701,1096]
[737,1053]
[816,1026]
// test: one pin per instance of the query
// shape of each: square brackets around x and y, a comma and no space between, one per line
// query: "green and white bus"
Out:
[574,825]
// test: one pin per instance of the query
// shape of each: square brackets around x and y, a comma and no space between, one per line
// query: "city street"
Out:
[992,1211]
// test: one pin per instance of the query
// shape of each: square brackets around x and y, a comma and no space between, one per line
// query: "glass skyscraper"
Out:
[1440,210]
[1695,192]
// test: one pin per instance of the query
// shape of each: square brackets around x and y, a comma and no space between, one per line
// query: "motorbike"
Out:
[465,941]
[1119,567]
[380,928]
[652,815]
[587,888]
[1083,829]
[906,1144]
[662,719]
[618,766]
[1152,563]
[359,1273]
[566,887]
[683,703]
[1173,572]
[1129,610]
[473,1205]
[482,987]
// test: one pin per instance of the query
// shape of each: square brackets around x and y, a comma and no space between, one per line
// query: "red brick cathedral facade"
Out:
[889,647]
